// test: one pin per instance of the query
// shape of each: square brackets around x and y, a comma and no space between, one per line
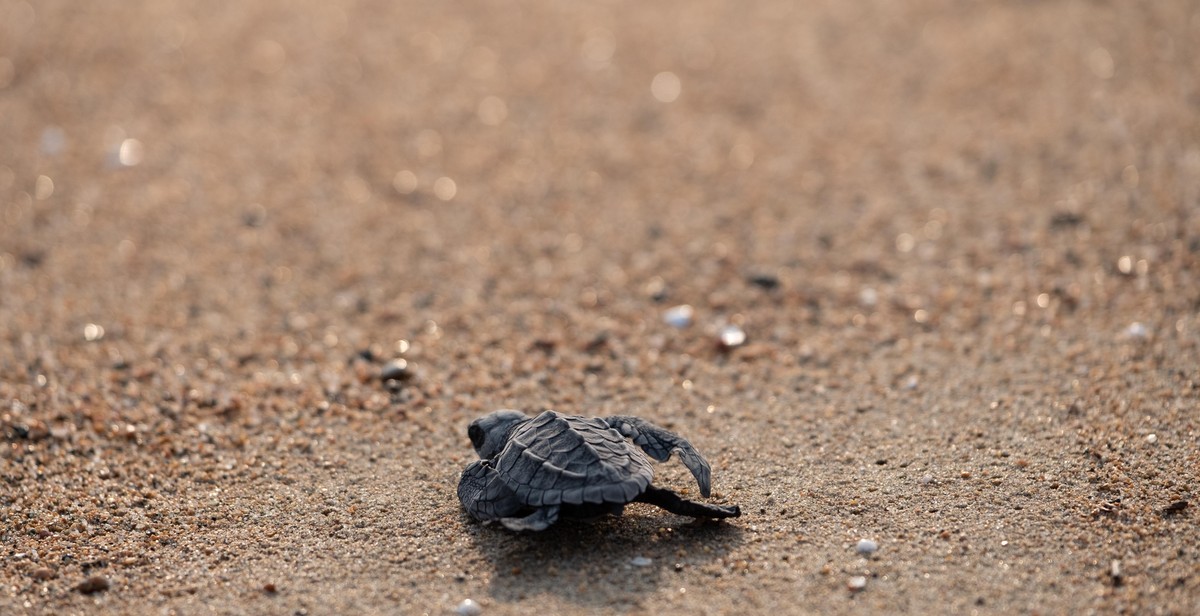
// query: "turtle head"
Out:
[490,432]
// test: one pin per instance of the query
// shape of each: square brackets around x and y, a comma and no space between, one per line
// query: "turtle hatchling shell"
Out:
[555,459]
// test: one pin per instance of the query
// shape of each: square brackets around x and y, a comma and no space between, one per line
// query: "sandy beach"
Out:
[921,279]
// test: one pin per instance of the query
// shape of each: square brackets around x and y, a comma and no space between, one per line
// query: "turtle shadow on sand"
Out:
[585,561]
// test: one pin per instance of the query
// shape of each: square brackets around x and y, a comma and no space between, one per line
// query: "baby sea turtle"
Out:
[533,471]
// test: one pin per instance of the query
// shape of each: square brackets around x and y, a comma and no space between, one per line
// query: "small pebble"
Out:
[468,608]
[658,291]
[1137,331]
[857,583]
[679,316]
[1175,507]
[129,153]
[255,216]
[866,546]
[1152,438]
[926,480]
[732,336]
[42,573]
[764,280]
[640,561]
[395,370]
[93,332]
[1066,219]
[93,585]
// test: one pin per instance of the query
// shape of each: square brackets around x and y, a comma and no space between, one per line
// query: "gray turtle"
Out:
[533,471]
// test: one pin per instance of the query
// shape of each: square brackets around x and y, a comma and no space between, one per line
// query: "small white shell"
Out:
[679,316]
[468,608]
[866,546]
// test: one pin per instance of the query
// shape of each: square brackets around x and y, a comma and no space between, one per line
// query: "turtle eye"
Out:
[476,434]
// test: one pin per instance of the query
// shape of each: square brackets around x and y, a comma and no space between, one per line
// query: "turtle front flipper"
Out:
[484,495]
[678,505]
[540,519]
[660,443]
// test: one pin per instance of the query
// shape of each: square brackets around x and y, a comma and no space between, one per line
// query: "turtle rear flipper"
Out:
[678,505]
[540,519]
[484,495]
[660,443]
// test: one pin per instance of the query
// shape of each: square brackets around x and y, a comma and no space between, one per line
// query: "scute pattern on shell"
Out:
[556,459]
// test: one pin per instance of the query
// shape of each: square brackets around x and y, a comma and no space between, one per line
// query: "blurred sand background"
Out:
[962,240]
